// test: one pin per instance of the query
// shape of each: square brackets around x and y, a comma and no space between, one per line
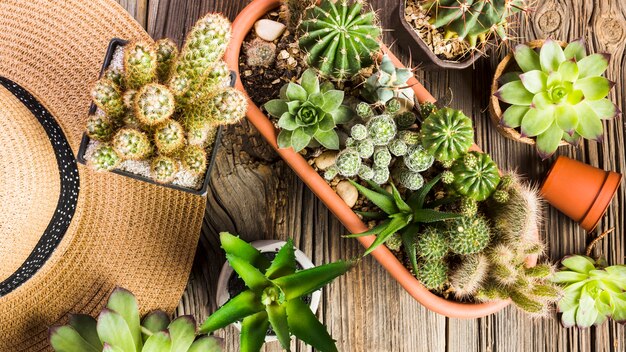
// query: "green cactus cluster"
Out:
[164,106]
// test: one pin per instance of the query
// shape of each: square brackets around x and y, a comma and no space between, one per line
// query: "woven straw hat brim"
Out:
[123,232]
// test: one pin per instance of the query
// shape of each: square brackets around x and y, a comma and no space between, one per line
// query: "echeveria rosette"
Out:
[560,95]
[308,112]
[593,293]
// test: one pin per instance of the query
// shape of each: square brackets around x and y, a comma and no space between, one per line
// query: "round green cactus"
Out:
[166,51]
[398,147]
[447,177]
[107,96]
[409,137]
[405,119]
[331,173]
[365,148]
[154,103]
[205,44]
[364,111]
[228,106]
[194,159]
[140,64]
[381,175]
[475,176]
[338,38]
[468,235]
[393,106]
[366,172]
[410,180]
[104,158]
[164,169]
[433,274]
[348,162]
[381,129]
[417,159]
[169,137]
[358,132]
[468,206]
[394,242]
[99,128]
[382,157]
[447,134]
[131,144]
[201,135]
[431,244]
[260,53]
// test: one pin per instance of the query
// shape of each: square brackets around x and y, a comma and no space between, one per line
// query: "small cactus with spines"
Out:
[410,180]
[364,111]
[447,134]
[427,108]
[390,84]
[447,177]
[394,242]
[260,53]
[468,276]
[169,137]
[468,206]
[154,103]
[164,169]
[405,119]
[291,12]
[99,128]
[433,274]
[398,147]
[468,235]
[167,52]
[104,158]
[140,64]
[228,106]
[381,175]
[432,244]
[107,96]
[348,162]
[381,129]
[382,157]
[194,159]
[117,77]
[131,144]
[365,148]
[339,39]
[475,176]
[417,159]
[366,172]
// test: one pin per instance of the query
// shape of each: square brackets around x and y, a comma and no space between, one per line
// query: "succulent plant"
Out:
[473,21]
[381,157]
[405,119]
[166,52]
[559,95]
[410,180]
[104,158]
[107,96]
[227,106]
[468,235]
[273,297]
[468,206]
[154,104]
[417,159]
[593,292]
[164,169]
[193,158]
[131,144]
[201,135]
[469,275]
[99,127]
[394,242]
[169,137]
[308,112]
[348,162]
[431,244]
[291,12]
[433,274]
[140,64]
[447,134]
[116,76]
[475,176]
[382,129]
[118,328]
[338,38]
[388,82]
[364,111]
[260,53]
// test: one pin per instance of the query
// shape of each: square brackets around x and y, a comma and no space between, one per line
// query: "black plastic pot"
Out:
[419,51]
[113,45]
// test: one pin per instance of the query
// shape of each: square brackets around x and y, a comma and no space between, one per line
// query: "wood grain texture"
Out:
[256,195]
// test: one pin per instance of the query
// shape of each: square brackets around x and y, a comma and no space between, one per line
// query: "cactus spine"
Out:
[154,104]
[169,137]
[131,144]
[104,158]
[166,51]
[140,64]
[107,96]
[194,159]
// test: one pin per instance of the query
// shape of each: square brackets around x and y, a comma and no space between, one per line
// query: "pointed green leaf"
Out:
[431,215]
[542,101]
[548,141]
[593,65]
[253,278]
[306,281]
[326,123]
[182,332]
[509,77]
[573,140]
[284,139]
[566,118]
[329,139]
[296,92]
[373,231]
[299,139]
[124,303]
[400,203]
[563,277]
[113,329]
[237,308]
[109,348]
[416,200]
[551,56]
[155,321]
[619,308]
[526,58]
[332,100]
[536,121]
[305,326]
[409,235]
[326,86]
[376,187]
[515,93]
[396,224]
[208,344]
[276,107]
[67,339]
[236,246]
[575,97]
[575,50]
[277,315]
[512,116]
[579,263]
[288,122]
[586,314]
[604,108]
[310,82]
[284,263]
[384,202]
[594,88]
[293,107]
[534,81]
[158,342]
[589,124]
[253,330]
[568,318]
[568,70]
[342,114]
[86,326]
[374,215]
[618,275]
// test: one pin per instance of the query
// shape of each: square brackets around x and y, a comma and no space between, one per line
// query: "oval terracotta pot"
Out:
[580,191]
[241,26]
[495,109]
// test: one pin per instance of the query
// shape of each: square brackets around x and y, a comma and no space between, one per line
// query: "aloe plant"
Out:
[399,216]
[273,297]
[559,95]
[593,292]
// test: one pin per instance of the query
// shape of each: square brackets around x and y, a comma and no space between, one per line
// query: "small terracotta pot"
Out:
[495,107]
[580,191]
[241,26]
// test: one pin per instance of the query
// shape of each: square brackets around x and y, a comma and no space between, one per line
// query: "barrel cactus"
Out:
[108,97]
[131,144]
[169,137]
[140,64]
[468,235]
[381,129]
[431,244]
[227,106]
[475,176]
[389,82]
[417,159]
[154,103]
[194,159]
[433,274]
[104,158]
[339,39]
[348,162]
[116,76]
[447,134]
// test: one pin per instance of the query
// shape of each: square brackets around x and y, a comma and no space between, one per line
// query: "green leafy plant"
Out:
[389,82]
[118,328]
[475,176]
[308,112]
[594,292]
[273,297]
[447,134]
[559,95]
[339,40]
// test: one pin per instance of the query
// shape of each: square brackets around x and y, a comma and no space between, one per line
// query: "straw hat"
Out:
[68,235]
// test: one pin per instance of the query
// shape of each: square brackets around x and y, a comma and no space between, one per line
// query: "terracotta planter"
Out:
[496,107]
[242,25]
[580,191]
[419,50]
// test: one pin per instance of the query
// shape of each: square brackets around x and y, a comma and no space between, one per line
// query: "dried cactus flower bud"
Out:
[116,76]
[397,147]
[364,111]
[417,159]
[154,104]
[228,106]
[131,144]
[108,98]
[468,235]
[140,64]
[432,244]
[166,51]
[169,137]
[194,160]
[348,162]
[205,44]
[381,175]
[260,53]
[433,274]
[99,128]
[358,132]
[381,129]
[104,158]
[164,169]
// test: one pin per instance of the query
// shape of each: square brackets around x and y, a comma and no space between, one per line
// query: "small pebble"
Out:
[269,30]
[326,159]
[347,192]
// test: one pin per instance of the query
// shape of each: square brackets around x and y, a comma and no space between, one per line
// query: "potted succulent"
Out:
[273,296]
[156,113]
[119,328]
[229,284]
[453,34]
[346,124]
[549,94]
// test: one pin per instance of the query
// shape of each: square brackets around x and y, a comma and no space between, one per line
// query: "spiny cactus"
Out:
[227,106]
[381,129]
[468,206]
[475,176]
[405,119]
[394,242]
[201,135]
[339,39]
[164,169]
[107,96]
[417,159]
[169,137]
[431,244]
[468,276]
[131,144]
[348,162]
[364,111]
[447,134]
[410,180]
[398,147]
[389,82]
[381,157]
[116,76]
[291,12]
[140,64]
[194,159]
[99,128]
[167,52]
[104,158]
[433,274]
[473,21]
[468,235]
[205,44]
[154,103]
[260,53]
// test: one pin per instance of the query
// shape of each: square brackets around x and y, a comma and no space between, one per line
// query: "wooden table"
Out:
[256,195]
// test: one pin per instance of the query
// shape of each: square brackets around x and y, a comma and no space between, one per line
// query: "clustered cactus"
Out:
[164,106]
[389,82]
[339,39]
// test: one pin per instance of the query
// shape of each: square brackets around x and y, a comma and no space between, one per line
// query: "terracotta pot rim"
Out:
[495,109]
[454,309]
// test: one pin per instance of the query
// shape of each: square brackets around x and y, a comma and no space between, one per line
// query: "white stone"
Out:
[326,160]
[269,30]
[347,192]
